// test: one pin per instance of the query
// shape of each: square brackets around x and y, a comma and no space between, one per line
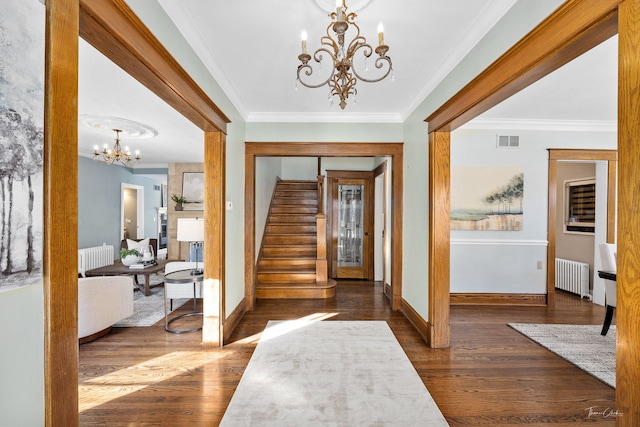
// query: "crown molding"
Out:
[540,124]
[485,21]
[177,13]
[324,118]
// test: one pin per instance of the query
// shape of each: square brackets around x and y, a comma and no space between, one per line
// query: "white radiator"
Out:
[98,256]
[573,276]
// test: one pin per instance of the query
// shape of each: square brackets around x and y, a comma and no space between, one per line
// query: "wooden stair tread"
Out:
[286,266]
[296,285]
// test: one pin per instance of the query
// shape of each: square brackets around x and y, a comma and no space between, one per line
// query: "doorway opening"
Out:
[393,152]
[131,211]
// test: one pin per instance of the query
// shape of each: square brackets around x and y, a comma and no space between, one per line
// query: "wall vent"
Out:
[508,141]
[156,187]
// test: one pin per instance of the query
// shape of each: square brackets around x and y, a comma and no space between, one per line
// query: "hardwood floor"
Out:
[491,375]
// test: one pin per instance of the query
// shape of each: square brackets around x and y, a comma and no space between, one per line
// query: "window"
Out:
[580,206]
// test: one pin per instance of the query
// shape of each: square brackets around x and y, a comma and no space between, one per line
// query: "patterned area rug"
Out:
[581,345]
[330,373]
[147,311]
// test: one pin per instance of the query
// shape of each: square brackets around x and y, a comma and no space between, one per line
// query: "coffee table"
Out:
[119,269]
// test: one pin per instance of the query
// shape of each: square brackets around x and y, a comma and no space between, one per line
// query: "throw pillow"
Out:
[140,246]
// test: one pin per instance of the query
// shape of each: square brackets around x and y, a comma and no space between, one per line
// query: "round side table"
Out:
[185,278]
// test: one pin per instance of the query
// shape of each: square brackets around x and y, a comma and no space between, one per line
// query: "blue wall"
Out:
[99,188]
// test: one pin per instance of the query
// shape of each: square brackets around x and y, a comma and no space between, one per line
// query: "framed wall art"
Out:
[486,198]
[193,190]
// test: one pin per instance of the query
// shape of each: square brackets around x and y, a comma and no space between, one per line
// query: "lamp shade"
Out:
[190,230]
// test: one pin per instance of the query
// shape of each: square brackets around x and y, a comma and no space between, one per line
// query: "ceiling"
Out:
[253,56]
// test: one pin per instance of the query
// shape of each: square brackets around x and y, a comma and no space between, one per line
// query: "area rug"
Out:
[147,311]
[330,373]
[581,345]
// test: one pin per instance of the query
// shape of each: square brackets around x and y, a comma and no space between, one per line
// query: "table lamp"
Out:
[192,230]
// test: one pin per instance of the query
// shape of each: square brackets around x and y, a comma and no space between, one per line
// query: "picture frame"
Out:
[487,198]
[193,190]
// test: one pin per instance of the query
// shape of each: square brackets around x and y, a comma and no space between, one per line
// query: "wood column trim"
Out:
[552,198]
[397,209]
[215,230]
[573,29]
[628,280]
[612,179]
[439,238]
[59,266]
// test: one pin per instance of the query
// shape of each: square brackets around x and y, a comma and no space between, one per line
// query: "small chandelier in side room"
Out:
[116,154]
[343,74]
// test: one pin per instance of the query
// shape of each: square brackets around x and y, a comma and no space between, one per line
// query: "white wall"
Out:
[234,219]
[267,170]
[506,261]
[300,168]
[156,19]
[520,19]
[21,356]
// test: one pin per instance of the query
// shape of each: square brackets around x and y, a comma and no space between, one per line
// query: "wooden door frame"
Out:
[311,149]
[332,177]
[112,28]
[382,170]
[556,155]
[574,28]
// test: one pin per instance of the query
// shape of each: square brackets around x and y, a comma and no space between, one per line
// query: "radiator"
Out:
[573,276]
[90,258]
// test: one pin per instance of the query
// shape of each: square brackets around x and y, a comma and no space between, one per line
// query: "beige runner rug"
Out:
[330,373]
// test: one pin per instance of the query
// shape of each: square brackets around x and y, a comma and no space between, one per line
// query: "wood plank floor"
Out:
[491,375]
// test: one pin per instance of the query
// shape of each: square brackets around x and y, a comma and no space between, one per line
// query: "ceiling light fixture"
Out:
[116,155]
[343,76]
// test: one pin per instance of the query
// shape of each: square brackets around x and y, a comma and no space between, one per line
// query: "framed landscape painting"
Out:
[22,40]
[486,198]
[193,190]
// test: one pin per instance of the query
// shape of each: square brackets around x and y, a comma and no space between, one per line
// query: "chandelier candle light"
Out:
[116,155]
[343,76]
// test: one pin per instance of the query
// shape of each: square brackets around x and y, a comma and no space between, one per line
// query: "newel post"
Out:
[321,259]
[321,237]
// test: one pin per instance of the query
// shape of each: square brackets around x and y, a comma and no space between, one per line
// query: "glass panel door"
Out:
[350,225]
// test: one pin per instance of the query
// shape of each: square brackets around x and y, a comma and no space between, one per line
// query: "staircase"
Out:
[287,262]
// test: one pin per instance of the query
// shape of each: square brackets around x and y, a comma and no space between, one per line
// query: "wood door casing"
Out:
[334,179]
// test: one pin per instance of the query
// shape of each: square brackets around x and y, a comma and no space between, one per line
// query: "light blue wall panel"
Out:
[99,187]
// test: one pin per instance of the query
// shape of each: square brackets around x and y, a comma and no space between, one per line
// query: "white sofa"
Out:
[102,301]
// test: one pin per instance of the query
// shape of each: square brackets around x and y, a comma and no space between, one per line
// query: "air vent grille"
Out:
[508,141]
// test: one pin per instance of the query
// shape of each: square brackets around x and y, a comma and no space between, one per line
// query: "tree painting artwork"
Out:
[486,198]
[22,25]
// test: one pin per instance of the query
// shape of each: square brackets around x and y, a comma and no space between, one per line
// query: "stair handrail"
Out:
[321,236]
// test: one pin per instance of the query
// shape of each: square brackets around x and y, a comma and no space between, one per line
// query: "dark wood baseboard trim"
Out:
[498,299]
[416,320]
[95,336]
[231,322]
[387,290]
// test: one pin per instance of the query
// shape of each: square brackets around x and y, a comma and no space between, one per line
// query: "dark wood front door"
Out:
[351,224]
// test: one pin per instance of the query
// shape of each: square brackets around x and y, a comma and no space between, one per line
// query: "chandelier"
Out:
[116,155]
[343,76]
